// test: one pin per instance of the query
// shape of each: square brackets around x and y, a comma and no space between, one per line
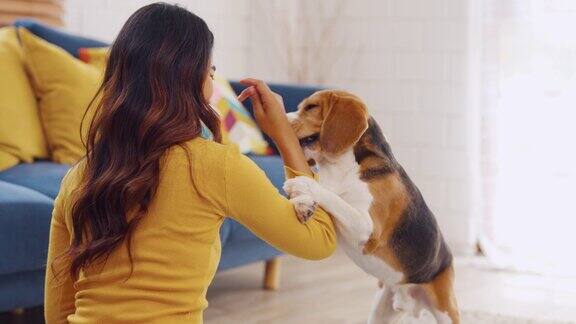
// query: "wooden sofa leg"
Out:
[272,274]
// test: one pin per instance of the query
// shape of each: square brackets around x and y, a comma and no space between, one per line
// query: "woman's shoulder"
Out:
[209,153]
[208,163]
[205,147]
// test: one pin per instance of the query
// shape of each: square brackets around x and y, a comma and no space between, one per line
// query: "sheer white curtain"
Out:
[529,130]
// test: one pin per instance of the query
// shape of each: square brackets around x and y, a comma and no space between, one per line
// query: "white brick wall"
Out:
[409,59]
[102,19]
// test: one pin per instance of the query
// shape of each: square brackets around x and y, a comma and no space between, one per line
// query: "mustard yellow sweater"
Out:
[176,247]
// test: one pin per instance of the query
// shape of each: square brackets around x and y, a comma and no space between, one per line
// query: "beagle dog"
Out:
[382,221]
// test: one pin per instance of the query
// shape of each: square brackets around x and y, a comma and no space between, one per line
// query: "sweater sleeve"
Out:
[252,200]
[59,290]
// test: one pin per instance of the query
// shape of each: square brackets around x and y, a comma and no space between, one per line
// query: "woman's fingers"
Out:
[251,81]
[260,85]
[254,96]
[257,106]
[267,106]
[256,103]
[279,98]
[267,95]
[246,93]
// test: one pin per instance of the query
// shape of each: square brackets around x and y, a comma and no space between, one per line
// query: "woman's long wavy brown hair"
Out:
[151,99]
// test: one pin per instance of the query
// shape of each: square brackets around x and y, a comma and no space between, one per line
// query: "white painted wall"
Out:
[413,61]
[102,19]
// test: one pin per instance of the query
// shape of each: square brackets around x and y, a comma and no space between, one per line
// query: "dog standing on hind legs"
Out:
[382,220]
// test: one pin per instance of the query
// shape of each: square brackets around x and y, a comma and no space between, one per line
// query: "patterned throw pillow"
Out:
[237,124]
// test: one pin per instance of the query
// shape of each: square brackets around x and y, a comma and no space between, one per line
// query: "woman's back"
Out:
[175,248]
[135,229]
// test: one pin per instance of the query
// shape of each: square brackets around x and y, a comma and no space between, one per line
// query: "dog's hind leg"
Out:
[440,293]
[383,311]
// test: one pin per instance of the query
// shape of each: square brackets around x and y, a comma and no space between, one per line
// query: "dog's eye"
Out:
[309,140]
[310,106]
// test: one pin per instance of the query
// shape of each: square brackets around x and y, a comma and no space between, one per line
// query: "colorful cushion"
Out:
[237,124]
[21,136]
[64,86]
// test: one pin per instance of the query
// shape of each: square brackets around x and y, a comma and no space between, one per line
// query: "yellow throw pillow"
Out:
[97,56]
[64,86]
[237,125]
[21,136]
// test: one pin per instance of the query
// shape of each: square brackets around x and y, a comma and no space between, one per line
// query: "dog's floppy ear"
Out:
[345,120]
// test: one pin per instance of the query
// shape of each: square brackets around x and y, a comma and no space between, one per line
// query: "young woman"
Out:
[135,228]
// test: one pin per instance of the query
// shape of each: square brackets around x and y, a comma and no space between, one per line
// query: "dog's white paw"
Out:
[304,206]
[300,185]
[300,190]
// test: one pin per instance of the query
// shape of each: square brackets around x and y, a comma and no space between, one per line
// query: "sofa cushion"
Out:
[65,86]
[225,230]
[71,43]
[44,177]
[24,222]
[237,232]
[21,136]
[273,166]
[246,252]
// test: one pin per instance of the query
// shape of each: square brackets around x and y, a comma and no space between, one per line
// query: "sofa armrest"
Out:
[292,95]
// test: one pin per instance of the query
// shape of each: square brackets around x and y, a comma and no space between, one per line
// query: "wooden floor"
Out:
[336,291]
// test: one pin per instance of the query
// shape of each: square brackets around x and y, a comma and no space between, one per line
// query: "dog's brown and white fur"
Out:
[382,221]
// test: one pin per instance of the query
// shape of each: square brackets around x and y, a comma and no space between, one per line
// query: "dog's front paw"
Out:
[304,206]
[300,185]
[300,190]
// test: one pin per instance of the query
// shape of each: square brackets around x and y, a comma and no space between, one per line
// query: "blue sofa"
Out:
[27,193]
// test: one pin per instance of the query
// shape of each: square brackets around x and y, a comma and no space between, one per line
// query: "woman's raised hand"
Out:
[271,117]
[268,108]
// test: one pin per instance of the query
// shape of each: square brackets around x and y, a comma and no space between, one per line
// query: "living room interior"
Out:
[475,98]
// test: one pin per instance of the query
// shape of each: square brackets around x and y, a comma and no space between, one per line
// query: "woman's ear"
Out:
[345,120]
